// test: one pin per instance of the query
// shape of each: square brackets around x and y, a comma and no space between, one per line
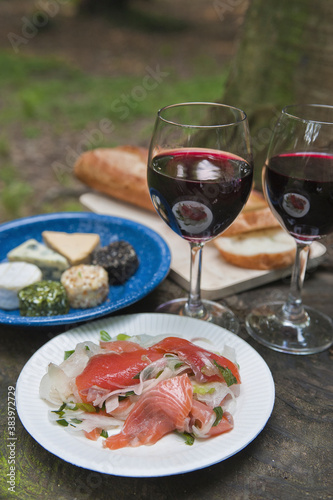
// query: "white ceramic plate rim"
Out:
[170,455]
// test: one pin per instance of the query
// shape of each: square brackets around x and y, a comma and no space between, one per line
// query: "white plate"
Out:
[170,455]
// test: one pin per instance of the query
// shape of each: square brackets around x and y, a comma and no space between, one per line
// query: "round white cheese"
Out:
[13,277]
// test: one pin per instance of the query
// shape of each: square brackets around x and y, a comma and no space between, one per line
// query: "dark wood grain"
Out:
[290,459]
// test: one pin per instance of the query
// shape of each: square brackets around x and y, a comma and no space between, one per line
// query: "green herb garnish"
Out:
[203,389]
[104,336]
[123,336]
[60,411]
[67,354]
[126,395]
[75,421]
[219,414]
[62,422]
[189,438]
[104,434]
[227,374]
[86,407]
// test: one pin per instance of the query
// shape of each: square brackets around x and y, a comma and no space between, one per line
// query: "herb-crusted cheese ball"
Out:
[86,285]
[44,298]
[119,259]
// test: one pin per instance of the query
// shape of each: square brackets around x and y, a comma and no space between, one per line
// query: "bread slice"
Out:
[256,201]
[252,220]
[264,249]
[120,172]
[76,247]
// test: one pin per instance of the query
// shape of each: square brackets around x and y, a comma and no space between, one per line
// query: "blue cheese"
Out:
[51,263]
[13,277]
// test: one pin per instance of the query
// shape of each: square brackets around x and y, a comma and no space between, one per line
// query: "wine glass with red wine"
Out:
[200,176]
[298,185]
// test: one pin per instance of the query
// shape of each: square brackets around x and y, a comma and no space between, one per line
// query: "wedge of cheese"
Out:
[51,263]
[13,277]
[75,247]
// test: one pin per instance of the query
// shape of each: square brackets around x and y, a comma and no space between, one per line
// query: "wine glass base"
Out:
[211,311]
[267,325]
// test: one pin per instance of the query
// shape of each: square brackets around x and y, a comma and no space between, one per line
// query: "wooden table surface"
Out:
[290,459]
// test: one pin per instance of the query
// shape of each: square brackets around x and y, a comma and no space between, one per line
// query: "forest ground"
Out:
[152,34]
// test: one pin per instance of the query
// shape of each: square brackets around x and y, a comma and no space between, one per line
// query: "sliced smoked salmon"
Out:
[203,420]
[206,365]
[159,411]
[120,346]
[114,370]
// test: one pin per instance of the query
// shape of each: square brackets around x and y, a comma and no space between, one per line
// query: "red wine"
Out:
[299,188]
[199,192]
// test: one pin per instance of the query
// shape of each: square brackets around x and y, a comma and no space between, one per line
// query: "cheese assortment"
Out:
[64,276]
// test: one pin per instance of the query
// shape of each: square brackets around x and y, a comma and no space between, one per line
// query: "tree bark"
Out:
[285,56]
[102,6]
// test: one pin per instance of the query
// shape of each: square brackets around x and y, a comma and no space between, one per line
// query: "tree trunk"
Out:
[285,56]
[102,6]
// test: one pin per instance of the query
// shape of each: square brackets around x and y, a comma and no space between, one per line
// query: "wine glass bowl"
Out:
[298,185]
[200,176]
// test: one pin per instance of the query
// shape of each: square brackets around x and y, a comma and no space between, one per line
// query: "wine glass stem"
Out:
[293,309]
[194,306]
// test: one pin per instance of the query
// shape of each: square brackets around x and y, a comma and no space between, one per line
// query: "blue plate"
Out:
[153,253]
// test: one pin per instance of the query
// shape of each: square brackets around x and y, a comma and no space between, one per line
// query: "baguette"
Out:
[120,172]
[265,249]
[255,201]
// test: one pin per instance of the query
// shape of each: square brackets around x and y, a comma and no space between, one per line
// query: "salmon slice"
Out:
[158,412]
[123,409]
[94,434]
[114,371]
[205,364]
[120,346]
[203,417]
